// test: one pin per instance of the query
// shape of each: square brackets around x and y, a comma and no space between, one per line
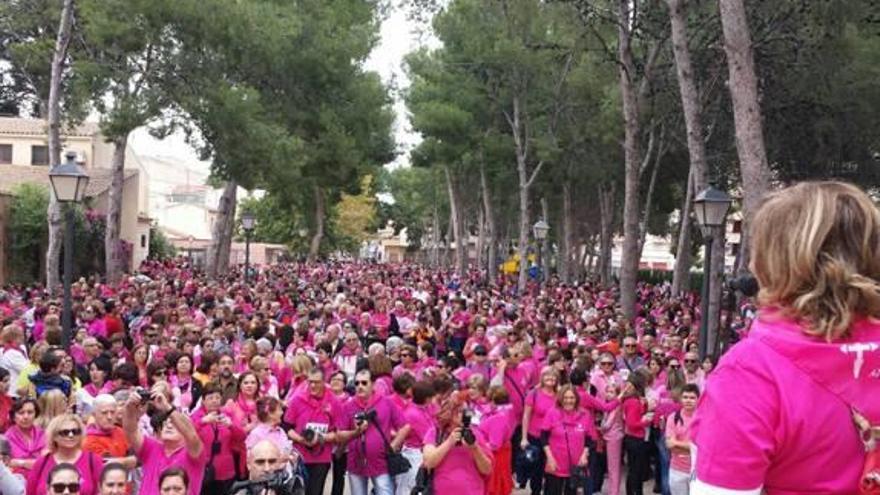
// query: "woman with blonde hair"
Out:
[790,408]
[64,442]
[52,404]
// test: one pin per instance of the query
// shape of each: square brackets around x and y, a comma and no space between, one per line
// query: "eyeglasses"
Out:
[629,346]
[403,355]
[73,432]
[65,487]
[362,383]
[266,462]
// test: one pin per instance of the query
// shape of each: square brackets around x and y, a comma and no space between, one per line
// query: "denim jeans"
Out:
[382,484]
[662,463]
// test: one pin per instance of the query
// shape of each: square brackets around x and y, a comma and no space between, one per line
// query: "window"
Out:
[143,241]
[5,154]
[39,155]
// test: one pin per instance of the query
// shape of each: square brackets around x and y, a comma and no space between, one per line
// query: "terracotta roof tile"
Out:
[12,176]
[37,127]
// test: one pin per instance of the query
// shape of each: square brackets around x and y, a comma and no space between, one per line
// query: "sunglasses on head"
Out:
[73,432]
[65,487]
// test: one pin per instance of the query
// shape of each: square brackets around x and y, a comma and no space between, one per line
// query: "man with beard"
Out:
[226,379]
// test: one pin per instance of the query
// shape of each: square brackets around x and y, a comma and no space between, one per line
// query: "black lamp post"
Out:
[710,206]
[69,182]
[540,230]
[247,224]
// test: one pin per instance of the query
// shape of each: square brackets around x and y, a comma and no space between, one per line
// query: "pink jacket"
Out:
[776,412]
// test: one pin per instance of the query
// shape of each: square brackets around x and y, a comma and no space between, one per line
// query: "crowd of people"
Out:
[395,379]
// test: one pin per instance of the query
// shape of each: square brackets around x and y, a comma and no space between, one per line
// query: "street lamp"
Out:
[69,182]
[710,207]
[247,223]
[540,230]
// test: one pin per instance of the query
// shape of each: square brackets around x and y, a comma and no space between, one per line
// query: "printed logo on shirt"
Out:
[859,350]
[321,428]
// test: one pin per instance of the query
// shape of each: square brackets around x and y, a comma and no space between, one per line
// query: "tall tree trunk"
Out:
[481,237]
[53,117]
[455,216]
[606,235]
[435,237]
[649,195]
[221,237]
[746,115]
[113,252]
[567,247]
[681,280]
[520,146]
[492,264]
[629,260]
[318,236]
[546,254]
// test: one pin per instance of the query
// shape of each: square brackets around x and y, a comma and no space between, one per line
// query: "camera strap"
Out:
[375,423]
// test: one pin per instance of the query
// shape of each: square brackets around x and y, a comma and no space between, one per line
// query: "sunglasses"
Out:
[151,335]
[160,373]
[265,462]
[674,366]
[690,361]
[73,432]
[606,364]
[65,487]
[479,354]
[629,346]
[362,383]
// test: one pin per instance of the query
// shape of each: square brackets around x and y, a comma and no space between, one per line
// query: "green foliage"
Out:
[160,247]
[27,231]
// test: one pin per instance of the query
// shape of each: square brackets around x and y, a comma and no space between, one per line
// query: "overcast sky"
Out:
[399,36]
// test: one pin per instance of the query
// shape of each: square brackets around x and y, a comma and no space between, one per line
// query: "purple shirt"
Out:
[366,453]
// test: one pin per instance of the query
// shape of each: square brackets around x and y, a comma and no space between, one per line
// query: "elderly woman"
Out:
[64,441]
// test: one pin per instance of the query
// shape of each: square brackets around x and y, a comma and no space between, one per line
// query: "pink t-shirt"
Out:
[457,472]
[154,460]
[498,424]
[776,411]
[568,431]
[420,421]
[541,403]
[678,427]
[89,465]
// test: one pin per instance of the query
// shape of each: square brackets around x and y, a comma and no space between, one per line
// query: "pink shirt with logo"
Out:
[776,411]
[568,432]
[320,414]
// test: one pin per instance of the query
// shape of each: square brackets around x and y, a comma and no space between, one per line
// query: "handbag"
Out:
[869,483]
[577,474]
[210,471]
[397,463]
[424,484]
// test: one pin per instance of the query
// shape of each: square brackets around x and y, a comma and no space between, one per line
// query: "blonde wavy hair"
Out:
[56,424]
[816,255]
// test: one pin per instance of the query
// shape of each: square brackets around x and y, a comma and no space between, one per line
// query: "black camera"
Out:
[746,285]
[282,482]
[365,416]
[467,434]
[309,435]
[144,394]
